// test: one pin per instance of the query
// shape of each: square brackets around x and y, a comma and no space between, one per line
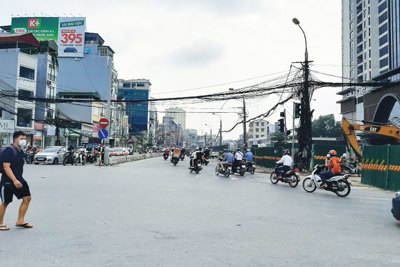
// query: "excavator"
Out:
[372,128]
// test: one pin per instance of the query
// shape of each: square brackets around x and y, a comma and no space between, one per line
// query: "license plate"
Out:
[40,159]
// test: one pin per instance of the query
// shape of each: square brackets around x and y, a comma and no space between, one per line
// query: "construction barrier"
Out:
[381,167]
[319,153]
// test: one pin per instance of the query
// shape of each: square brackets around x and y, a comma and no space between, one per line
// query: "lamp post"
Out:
[220,128]
[304,133]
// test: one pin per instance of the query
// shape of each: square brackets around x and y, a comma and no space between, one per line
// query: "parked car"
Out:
[396,206]
[50,155]
[119,151]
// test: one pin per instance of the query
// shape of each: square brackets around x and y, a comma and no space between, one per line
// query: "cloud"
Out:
[197,54]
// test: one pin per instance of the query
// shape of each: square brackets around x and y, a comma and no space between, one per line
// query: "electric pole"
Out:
[244,124]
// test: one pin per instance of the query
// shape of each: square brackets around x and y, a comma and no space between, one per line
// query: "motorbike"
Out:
[69,158]
[204,160]
[182,156]
[30,157]
[196,168]
[225,170]
[165,155]
[175,159]
[81,156]
[250,167]
[351,168]
[290,177]
[338,184]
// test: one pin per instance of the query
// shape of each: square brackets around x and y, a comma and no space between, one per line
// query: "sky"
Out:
[183,45]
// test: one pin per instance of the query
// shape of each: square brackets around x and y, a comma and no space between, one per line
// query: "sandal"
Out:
[25,225]
[4,228]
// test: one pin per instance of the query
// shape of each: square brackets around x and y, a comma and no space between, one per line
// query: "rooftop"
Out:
[18,41]
[80,94]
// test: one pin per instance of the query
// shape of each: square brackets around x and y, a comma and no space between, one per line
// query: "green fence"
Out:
[381,166]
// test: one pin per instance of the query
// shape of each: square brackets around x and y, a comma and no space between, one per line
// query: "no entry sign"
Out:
[104,123]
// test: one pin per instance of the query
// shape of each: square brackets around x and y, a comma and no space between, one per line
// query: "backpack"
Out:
[2,153]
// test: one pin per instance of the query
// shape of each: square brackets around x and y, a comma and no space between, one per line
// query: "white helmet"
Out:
[328,155]
[344,155]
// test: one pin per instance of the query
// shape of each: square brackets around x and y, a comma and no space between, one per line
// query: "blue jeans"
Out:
[325,175]
[281,170]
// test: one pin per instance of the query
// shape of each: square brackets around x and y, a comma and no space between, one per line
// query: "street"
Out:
[150,213]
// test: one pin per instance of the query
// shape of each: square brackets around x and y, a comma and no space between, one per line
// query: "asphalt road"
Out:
[150,213]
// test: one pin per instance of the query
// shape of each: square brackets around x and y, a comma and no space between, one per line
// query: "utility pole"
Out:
[244,124]
[304,133]
[220,132]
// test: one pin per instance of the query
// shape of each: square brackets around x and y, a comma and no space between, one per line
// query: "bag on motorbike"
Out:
[3,152]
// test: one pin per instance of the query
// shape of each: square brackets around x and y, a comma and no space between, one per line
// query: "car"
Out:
[70,50]
[50,155]
[396,206]
[118,151]
[214,154]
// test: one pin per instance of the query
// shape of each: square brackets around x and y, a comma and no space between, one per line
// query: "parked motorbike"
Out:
[351,168]
[196,168]
[339,184]
[290,177]
[69,158]
[81,156]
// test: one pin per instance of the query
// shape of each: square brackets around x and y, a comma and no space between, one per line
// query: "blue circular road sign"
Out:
[103,133]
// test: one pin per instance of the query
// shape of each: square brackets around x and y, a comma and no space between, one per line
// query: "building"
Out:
[260,132]
[178,114]
[370,52]
[138,113]
[153,124]
[190,138]
[18,80]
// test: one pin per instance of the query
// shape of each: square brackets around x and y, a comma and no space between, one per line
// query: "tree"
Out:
[326,126]
[278,138]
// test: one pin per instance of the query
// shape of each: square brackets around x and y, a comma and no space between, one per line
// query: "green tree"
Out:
[278,138]
[326,126]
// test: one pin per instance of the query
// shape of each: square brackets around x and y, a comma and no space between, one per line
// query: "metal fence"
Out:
[381,167]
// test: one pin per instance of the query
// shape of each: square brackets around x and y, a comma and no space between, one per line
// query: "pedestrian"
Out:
[12,182]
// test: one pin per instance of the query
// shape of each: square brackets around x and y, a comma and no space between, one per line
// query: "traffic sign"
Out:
[103,133]
[104,123]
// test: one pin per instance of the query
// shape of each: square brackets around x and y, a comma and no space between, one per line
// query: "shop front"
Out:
[7,128]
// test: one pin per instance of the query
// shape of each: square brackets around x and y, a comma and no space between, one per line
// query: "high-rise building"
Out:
[370,52]
[260,132]
[178,114]
[138,113]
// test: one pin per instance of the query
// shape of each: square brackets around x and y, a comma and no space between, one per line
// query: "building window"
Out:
[257,130]
[257,136]
[25,95]
[49,114]
[383,51]
[382,17]
[383,40]
[257,124]
[262,130]
[382,29]
[26,73]
[262,124]
[24,117]
[384,62]
[126,85]
[382,7]
[140,85]
[133,85]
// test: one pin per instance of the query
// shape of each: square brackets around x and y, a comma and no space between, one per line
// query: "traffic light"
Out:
[281,125]
[297,110]
[282,114]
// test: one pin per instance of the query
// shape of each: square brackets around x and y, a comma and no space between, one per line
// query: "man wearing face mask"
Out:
[12,183]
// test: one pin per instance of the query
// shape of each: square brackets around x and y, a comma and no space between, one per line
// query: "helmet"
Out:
[333,152]
[248,150]
[230,150]
[238,149]
[285,151]
[197,148]
[344,155]
[225,150]
[200,149]
[328,155]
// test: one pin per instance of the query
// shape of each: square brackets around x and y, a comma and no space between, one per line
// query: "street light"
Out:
[297,22]
[220,128]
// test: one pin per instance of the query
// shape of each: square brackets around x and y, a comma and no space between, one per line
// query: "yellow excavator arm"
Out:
[350,136]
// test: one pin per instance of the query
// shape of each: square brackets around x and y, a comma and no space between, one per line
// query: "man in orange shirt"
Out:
[334,169]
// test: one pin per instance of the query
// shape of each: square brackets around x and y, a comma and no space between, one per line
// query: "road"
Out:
[150,213]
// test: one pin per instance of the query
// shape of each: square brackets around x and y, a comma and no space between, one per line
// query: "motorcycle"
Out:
[30,157]
[338,184]
[196,168]
[351,168]
[204,160]
[224,170]
[69,158]
[165,155]
[290,177]
[81,156]
[175,159]
[250,167]
[182,156]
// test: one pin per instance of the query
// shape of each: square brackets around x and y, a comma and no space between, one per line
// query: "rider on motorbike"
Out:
[287,164]
[334,169]
[238,160]
[228,159]
[196,157]
[249,155]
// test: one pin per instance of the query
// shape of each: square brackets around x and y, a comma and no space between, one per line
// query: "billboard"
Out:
[67,32]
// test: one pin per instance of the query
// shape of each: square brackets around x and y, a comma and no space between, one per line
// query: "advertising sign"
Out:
[44,28]
[67,32]
[6,126]
[71,37]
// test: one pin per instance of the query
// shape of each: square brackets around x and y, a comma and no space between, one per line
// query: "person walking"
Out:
[12,182]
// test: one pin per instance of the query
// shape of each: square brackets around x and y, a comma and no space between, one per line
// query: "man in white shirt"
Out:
[287,163]
[238,160]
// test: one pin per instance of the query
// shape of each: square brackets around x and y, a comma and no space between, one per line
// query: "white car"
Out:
[50,155]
